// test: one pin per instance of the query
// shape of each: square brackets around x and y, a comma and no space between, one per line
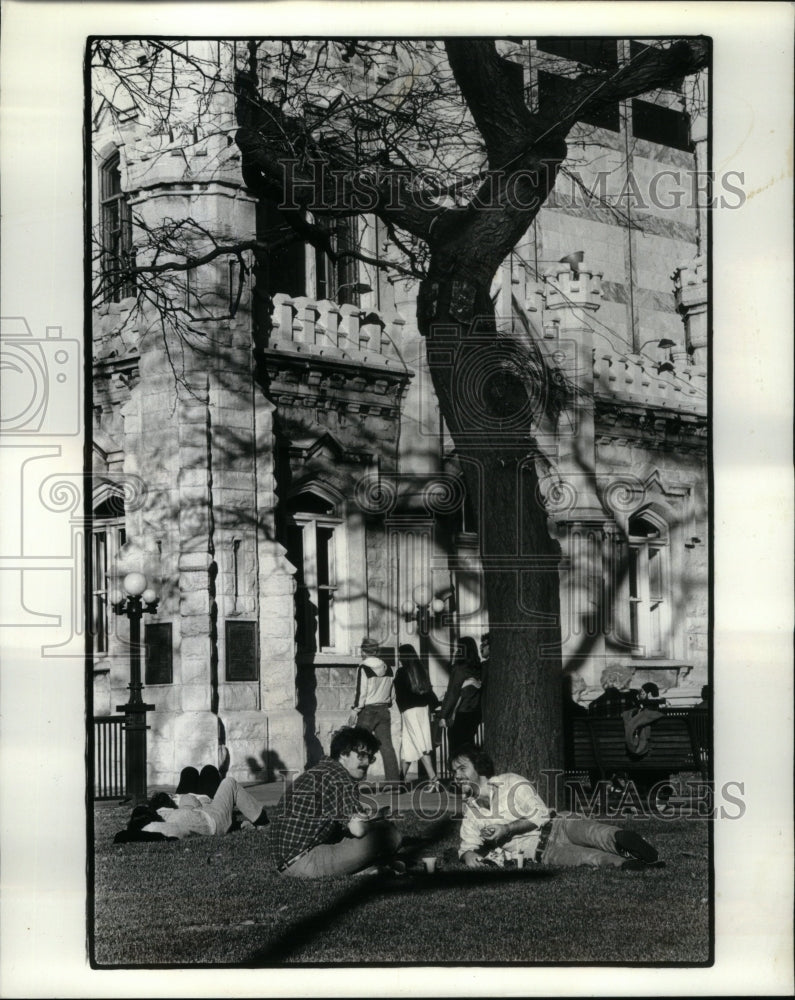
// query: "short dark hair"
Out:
[351,738]
[478,758]
[161,800]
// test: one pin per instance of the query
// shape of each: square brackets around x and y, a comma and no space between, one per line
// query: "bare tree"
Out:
[438,141]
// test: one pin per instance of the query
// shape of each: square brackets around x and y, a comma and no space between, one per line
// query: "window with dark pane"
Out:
[649,598]
[99,573]
[116,233]
[337,279]
[665,126]
[311,539]
[107,537]
[326,585]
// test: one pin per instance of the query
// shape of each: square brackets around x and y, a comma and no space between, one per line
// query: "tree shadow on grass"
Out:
[299,933]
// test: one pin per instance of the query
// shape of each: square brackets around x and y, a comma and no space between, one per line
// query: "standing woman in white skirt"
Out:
[415,701]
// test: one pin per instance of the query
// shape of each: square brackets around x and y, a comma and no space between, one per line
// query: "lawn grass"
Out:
[220,901]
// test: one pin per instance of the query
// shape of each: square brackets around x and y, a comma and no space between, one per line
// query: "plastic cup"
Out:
[430,865]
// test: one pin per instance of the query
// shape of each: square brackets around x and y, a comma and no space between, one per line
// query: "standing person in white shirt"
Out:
[374,683]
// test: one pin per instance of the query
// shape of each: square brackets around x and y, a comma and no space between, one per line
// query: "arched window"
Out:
[314,547]
[649,586]
[116,232]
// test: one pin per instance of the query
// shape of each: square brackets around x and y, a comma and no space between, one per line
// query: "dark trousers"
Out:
[462,731]
[377,719]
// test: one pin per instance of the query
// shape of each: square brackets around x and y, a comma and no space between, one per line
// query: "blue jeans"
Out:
[378,720]
[574,842]
[352,854]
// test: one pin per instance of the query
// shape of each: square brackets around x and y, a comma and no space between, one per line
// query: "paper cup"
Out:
[430,865]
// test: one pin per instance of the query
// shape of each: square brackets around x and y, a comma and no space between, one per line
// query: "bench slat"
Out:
[677,743]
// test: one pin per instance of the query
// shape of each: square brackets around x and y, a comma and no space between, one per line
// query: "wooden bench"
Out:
[678,742]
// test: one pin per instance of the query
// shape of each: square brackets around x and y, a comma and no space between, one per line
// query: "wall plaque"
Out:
[159,653]
[242,651]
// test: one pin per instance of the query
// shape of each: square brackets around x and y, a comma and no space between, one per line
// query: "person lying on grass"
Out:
[504,813]
[324,828]
[194,815]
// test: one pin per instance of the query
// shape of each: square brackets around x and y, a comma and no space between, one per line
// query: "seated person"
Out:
[194,814]
[324,828]
[638,720]
[505,813]
[611,703]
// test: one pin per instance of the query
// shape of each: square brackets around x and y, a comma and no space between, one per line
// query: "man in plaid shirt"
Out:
[324,827]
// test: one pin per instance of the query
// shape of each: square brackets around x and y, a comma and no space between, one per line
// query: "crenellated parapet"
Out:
[572,290]
[568,286]
[637,379]
[326,331]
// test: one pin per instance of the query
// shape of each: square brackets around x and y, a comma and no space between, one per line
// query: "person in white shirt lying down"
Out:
[191,814]
[504,813]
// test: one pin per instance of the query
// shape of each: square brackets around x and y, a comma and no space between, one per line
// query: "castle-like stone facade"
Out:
[296,489]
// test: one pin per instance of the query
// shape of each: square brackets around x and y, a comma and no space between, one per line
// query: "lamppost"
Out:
[137,600]
[665,344]
[422,609]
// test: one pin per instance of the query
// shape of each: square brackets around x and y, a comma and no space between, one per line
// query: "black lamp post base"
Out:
[135,750]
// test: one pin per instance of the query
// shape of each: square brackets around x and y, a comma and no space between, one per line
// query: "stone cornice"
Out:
[329,382]
[655,427]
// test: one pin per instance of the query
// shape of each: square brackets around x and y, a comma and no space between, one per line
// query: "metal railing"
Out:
[109,759]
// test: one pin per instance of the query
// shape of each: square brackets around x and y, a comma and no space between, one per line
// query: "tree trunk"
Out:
[490,414]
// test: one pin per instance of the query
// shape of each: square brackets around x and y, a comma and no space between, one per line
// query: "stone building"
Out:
[289,486]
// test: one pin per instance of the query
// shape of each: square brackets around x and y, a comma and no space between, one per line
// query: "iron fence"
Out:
[109,760]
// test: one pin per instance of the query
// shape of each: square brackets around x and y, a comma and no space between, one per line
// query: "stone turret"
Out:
[690,289]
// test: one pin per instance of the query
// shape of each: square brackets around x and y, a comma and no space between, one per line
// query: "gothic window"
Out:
[313,546]
[337,280]
[116,233]
[107,537]
[649,586]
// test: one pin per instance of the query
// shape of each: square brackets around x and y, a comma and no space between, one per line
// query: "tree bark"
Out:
[490,414]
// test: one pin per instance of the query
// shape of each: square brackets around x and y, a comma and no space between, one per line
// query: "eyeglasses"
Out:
[365,755]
